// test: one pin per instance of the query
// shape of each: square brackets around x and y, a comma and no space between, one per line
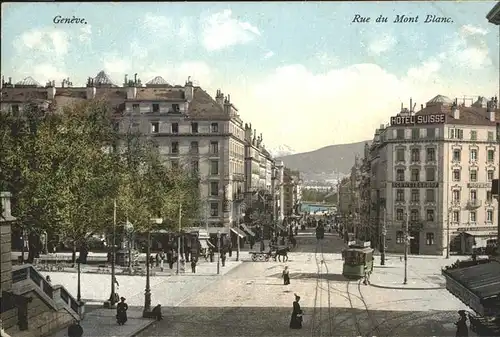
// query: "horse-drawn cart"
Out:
[274,252]
[260,256]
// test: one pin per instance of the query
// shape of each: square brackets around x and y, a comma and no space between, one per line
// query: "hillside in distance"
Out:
[328,159]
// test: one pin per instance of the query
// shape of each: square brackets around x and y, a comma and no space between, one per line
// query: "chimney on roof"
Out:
[491,109]
[421,107]
[51,90]
[125,82]
[455,109]
[135,78]
[91,90]
[189,90]
[248,133]
[132,92]
[219,97]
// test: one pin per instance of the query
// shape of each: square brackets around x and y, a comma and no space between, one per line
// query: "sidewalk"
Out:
[423,273]
[168,291]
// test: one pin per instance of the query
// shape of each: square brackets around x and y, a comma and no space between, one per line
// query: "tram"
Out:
[358,260]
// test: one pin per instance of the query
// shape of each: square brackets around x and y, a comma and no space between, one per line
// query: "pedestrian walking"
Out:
[286,276]
[170,258]
[462,330]
[252,242]
[193,265]
[161,258]
[296,320]
[223,258]
[121,311]
[262,245]
[211,254]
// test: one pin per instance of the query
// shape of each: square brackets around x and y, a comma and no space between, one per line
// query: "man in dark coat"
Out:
[462,330]
[121,311]
[296,320]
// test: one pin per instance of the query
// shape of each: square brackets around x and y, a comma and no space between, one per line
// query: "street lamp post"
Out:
[79,287]
[218,250]
[147,292]
[237,235]
[179,240]
[448,234]
[407,241]
[113,254]
[384,234]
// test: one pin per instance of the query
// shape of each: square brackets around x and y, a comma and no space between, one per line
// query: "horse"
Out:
[281,252]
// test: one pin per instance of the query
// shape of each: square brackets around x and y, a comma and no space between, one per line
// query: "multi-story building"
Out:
[433,169]
[192,130]
[292,192]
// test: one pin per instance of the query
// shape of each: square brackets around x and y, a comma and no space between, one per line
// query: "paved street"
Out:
[251,300]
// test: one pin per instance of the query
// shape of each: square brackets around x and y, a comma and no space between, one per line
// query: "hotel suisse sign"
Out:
[417,120]
[415,184]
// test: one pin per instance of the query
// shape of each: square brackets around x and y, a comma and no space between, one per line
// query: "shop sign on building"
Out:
[415,184]
[478,185]
[417,120]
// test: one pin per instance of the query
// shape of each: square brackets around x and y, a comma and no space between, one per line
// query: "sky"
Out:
[303,73]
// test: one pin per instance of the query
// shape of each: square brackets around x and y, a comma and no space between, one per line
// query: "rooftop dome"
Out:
[28,81]
[481,102]
[103,78]
[440,99]
[158,80]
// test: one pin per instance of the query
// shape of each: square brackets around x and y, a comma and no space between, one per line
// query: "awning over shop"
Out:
[485,234]
[246,229]
[238,232]
[475,284]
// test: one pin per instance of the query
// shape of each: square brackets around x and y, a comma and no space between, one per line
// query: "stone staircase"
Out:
[51,307]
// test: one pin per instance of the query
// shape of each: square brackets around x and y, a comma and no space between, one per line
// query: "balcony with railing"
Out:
[474,203]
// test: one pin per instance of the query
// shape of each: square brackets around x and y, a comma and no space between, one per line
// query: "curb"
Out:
[133,334]
[406,288]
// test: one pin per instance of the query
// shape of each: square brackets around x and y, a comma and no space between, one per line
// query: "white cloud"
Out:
[426,71]
[157,23]
[469,49]
[85,33]
[220,31]
[341,105]
[44,40]
[47,72]
[268,55]
[113,65]
[137,51]
[381,45]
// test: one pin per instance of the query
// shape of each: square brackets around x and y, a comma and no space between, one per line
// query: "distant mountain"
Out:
[327,160]
[281,151]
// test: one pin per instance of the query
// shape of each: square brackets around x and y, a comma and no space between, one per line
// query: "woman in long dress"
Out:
[296,320]
[286,276]
[121,311]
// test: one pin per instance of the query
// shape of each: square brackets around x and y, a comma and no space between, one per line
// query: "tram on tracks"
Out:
[358,260]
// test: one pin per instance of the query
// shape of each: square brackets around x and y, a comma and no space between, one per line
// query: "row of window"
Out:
[194,147]
[430,195]
[473,155]
[429,215]
[459,134]
[155,107]
[416,134]
[431,133]
[472,175]
[174,127]
[429,238]
[431,155]
[415,155]
[430,174]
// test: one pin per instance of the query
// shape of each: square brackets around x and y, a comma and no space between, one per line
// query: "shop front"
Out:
[466,240]
[477,284]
